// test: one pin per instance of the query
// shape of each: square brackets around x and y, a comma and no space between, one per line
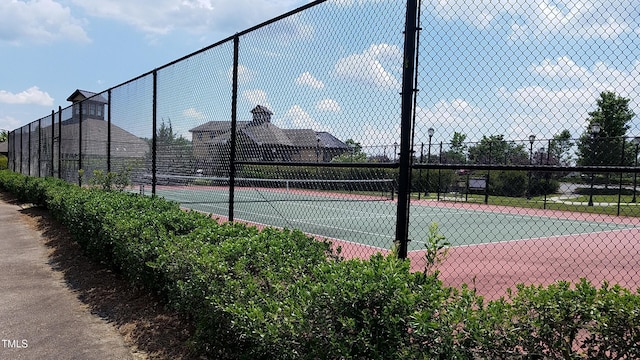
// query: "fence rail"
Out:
[519,140]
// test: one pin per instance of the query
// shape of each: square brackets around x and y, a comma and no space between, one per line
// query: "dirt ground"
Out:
[150,329]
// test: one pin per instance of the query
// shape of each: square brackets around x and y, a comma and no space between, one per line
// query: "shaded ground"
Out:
[149,329]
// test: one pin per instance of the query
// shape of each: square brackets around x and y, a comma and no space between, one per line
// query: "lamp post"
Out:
[395,151]
[594,129]
[430,132]
[420,175]
[532,139]
[636,140]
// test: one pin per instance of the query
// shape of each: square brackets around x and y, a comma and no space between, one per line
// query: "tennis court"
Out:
[370,219]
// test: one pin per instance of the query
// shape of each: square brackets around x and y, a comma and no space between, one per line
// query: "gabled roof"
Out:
[80,95]
[123,143]
[217,126]
[302,137]
[262,132]
[329,141]
[266,134]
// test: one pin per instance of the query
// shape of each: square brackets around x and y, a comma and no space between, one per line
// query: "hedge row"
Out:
[279,294]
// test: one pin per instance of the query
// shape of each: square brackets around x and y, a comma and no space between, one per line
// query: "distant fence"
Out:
[516,124]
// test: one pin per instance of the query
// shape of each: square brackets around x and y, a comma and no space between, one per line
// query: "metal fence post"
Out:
[404,179]
[53,141]
[39,147]
[29,151]
[234,115]
[80,143]
[154,138]
[109,131]
[59,142]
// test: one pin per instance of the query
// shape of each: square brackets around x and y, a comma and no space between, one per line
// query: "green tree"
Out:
[613,117]
[560,149]
[496,150]
[354,155]
[3,135]
[174,152]
[457,151]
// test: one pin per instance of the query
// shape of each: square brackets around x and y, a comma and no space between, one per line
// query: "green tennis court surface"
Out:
[372,220]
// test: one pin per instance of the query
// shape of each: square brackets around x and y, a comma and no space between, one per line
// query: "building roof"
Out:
[4,147]
[262,132]
[80,95]
[266,134]
[327,140]
[123,143]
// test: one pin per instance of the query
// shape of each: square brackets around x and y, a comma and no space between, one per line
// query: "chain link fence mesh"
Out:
[524,141]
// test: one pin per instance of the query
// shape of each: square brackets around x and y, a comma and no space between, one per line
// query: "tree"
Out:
[496,150]
[559,149]
[354,155]
[457,152]
[3,135]
[599,148]
[174,153]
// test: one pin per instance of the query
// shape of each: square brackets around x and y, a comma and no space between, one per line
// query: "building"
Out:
[127,149]
[93,105]
[261,140]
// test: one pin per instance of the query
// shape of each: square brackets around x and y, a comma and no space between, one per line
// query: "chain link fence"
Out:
[506,127]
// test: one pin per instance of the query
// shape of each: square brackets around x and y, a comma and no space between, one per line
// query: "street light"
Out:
[636,140]
[430,132]
[395,151]
[532,139]
[594,129]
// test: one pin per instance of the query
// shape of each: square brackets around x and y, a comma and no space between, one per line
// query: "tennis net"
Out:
[205,189]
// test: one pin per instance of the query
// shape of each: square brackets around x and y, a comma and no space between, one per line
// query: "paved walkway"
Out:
[40,318]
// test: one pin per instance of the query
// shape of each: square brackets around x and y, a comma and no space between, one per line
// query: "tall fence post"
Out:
[404,178]
[234,118]
[154,138]
[80,143]
[53,142]
[21,149]
[59,142]
[39,147]
[109,131]
[29,150]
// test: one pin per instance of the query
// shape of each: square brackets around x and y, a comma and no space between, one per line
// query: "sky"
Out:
[510,67]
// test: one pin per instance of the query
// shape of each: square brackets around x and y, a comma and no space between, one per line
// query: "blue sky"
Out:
[512,67]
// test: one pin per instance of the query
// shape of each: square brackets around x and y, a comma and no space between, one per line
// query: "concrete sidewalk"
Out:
[40,317]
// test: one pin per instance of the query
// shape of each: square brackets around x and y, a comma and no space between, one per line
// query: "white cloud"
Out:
[328,105]
[194,16]
[309,80]
[32,95]
[373,136]
[38,21]
[9,123]
[256,97]
[562,67]
[352,2]
[245,75]
[449,113]
[296,117]
[367,67]
[591,82]
[575,18]
[193,114]
[572,92]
